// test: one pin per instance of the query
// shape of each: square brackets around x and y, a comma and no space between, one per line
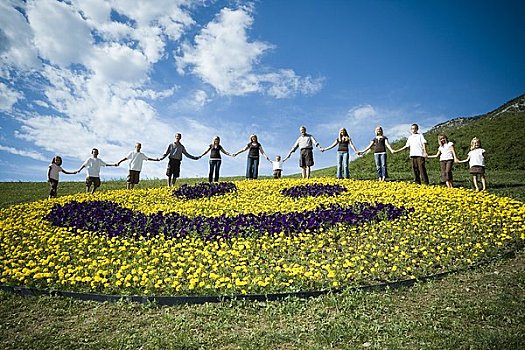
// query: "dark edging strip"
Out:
[194,300]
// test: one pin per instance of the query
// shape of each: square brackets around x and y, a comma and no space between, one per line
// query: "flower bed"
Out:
[447,229]
[204,190]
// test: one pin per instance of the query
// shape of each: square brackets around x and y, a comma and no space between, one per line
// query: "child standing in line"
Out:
[53,173]
[447,157]
[277,166]
[476,159]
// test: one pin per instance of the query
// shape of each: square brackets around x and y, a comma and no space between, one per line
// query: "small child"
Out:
[277,165]
[476,159]
[53,173]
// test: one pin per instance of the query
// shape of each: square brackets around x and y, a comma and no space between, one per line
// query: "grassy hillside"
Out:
[500,131]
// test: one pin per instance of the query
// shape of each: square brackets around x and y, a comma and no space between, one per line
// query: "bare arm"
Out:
[331,146]
[206,151]
[262,152]
[241,150]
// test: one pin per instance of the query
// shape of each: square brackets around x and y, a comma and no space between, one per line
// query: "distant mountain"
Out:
[501,131]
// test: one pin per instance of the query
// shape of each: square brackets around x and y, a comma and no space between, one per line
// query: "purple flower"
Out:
[313,190]
[204,189]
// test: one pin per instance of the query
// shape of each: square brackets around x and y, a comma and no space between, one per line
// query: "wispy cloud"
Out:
[223,57]
[30,154]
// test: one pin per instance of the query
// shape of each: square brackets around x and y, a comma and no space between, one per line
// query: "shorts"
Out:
[306,158]
[173,168]
[133,177]
[91,180]
[277,173]
[477,170]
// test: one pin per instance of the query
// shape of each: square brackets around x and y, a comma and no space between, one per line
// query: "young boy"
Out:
[92,166]
[135,166]
[277,166]
[418,154]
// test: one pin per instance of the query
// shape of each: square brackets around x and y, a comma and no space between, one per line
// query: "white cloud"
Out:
[224,58]
[60,33]
[8,97]
[365,112]
[16,38]
[23,153]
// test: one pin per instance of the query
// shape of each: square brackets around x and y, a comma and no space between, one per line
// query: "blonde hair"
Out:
[345,136]
[473,143]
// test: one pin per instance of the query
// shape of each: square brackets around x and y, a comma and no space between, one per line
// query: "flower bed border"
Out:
[202,299]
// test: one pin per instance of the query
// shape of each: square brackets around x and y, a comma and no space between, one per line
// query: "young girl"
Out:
[215,150]
[343,141]
[447,157]
[476,159]
[380,144]
[53,173]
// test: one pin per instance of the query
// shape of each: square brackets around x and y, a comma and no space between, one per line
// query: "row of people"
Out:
[305,142]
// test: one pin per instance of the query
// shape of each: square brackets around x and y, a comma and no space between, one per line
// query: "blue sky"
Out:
[80,74]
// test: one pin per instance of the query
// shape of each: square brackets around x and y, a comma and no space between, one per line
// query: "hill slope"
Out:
[501,133]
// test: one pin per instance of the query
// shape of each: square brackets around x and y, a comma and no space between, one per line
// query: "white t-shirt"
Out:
[54,171]
[137,158]
[277,164]
[416,142]
[93,165]
[446,151]
[476,157]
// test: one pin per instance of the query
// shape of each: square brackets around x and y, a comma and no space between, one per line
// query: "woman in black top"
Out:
[215,150]
[252,163]
[380,144]
[343,155]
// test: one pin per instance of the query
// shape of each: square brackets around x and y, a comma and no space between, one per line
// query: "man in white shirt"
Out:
[135,166]
[305,143]
[418,154]
[92,166]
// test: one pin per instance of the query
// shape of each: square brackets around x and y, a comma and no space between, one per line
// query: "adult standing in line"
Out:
[135,166]
[93,165]
[305,143]
[418,154]
[252,163]
[447,157]
[175,151]
[343,141]
[380,144]
[215,150]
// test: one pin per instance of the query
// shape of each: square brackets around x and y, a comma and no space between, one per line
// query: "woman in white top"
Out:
[476,159]
[447,157]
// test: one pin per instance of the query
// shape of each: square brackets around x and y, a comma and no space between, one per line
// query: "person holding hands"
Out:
[343,141]
[447,157]
[215,150]
[305,143]
[252,163]
[418,154]
[93,165]
[135,166]
[53,172]
[380,144]
[175,151]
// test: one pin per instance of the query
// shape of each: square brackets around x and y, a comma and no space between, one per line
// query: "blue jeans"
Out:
[342,165]
[215,165]
[380,159]
[252,168]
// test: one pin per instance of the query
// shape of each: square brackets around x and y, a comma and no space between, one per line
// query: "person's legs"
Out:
[255,168]
[384,172]
[379,170]
[217,168]
[423,170]
[53,187]
[339,162]
[346,173]
[483,182]
[415,169]
[210,173]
